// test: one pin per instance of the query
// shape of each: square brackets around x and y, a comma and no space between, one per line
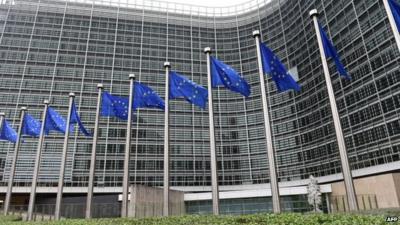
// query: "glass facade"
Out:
[293,203]
[49,48]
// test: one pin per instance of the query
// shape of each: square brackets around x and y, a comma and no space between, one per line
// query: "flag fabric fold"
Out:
[224,75]
[330,52]
[31,126]
[75,119]
[395,8]
[114,106]
[8,133]
[54,121]
[145,97]
[180,86]
[275,68]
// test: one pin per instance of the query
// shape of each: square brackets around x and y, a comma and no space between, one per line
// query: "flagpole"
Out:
[214,173]
[63,160]
[125,185]
[268,132]
[93,155]
[2,115]
[37,163]
[348,179]
[2,119]
[395,29]
[14,163]
[167,66]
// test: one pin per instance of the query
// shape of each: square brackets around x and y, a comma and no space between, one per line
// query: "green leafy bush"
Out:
[255,219]
[385,212]
[10,218]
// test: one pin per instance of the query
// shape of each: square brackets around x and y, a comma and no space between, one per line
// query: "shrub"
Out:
[255,219]
[10,218]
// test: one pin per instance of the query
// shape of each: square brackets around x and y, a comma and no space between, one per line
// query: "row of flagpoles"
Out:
[178,86]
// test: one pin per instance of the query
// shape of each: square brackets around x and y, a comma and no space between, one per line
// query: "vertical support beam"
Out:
[88,214]
[268,132]
[395,29]
[346,171]
[328,203]
[60,188]
[125,184]
[37,163]
[14,162]
[214,172]
[167,66]
[246,119]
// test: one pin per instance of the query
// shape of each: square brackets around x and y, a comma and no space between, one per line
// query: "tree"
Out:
[314,194]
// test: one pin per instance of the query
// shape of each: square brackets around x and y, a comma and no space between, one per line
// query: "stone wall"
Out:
[383,188]
[148,202]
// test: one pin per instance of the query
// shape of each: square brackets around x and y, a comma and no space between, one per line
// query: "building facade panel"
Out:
[51,48]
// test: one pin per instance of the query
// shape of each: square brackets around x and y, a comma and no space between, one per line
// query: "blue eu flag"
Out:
[180,86]
[145,97]
[8,133]
[31,126]
[115,106]
[75,119]
[330,52]
[222,74]
[274,67]
[54,121]
[395,8]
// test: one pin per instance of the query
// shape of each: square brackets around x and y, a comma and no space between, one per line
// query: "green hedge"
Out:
[9,218]
[256,219]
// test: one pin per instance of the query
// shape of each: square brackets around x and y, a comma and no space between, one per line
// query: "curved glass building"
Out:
[49,48]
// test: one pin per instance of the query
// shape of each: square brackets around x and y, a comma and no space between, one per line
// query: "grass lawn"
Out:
[256,219]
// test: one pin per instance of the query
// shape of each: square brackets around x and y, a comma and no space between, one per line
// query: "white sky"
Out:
[211,3]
